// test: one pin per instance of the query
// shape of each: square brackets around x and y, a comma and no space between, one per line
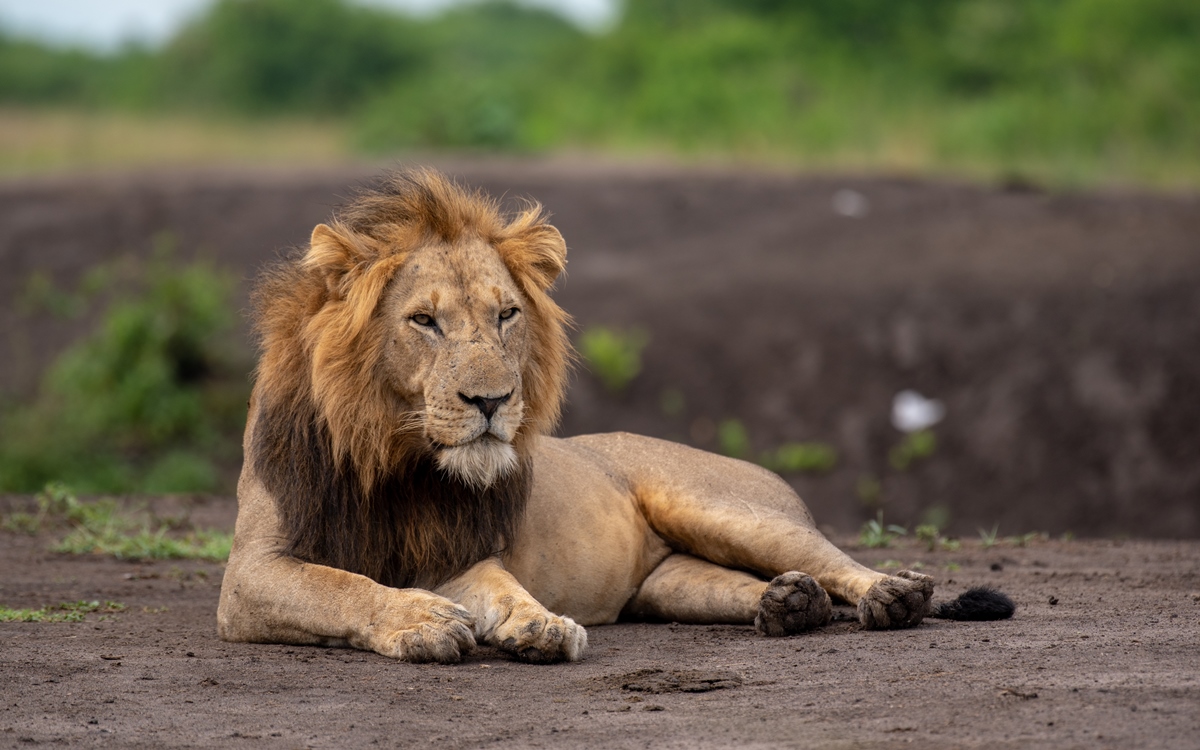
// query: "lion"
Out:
[401,491]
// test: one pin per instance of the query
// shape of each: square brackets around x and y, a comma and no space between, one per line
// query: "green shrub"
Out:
[1068,91]
[149,400]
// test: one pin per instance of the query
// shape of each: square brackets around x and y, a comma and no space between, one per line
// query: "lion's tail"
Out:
[979,603]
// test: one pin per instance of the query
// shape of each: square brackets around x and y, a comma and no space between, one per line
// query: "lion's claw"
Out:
[899,601]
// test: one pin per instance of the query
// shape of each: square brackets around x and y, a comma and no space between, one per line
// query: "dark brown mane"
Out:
[350,472]
[418,527]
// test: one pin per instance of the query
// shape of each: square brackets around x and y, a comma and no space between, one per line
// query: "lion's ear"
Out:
[337,256]
[541,252]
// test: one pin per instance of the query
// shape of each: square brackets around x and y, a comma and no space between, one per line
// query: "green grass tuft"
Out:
[876,535]
[65,612]
[103,527]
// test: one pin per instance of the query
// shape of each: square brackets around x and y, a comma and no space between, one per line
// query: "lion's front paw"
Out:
[899,601]
[793,602]
[441,631]
[543,638]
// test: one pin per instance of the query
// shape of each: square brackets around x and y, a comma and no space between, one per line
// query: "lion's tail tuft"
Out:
[979,603]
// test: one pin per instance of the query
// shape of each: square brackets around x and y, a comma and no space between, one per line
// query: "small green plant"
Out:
[613,356]
[988,538]
[1023,540]
[914,447]
[875,534]
[889,564]
[732,438]
[65,612]
[932,537]
[102,527]
[811,457]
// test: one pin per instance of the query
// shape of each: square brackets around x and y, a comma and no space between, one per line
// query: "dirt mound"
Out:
[1059,330]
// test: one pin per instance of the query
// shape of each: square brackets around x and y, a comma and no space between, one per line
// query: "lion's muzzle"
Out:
[485,404]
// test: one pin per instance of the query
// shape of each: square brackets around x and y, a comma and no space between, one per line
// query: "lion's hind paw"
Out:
[793,603]
[899,601]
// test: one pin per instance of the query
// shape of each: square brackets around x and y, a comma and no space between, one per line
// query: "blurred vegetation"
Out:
[614,356]
[105,527]
[152,400]
[64,612]
[1065,91]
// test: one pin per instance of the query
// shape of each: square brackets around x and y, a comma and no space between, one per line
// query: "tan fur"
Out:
[399,491]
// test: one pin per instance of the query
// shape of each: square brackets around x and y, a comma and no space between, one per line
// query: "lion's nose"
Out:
[486,405]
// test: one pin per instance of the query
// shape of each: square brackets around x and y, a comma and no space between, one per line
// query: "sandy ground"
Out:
[1104,651]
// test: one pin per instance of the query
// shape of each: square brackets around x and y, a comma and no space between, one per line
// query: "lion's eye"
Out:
[508,313]
[422,319]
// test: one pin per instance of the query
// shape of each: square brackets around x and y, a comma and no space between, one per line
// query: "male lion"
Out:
[401,493]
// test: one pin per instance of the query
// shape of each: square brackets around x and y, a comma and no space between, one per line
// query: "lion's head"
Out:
[407,358]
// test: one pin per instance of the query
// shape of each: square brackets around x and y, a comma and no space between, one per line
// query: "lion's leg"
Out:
[775,540]
[772,539]
[741,516]
[684,588]
[509,618]
[269,597]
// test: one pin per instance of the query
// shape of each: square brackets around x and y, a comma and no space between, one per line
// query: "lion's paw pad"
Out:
[546,639]
[899,601]
[793,603]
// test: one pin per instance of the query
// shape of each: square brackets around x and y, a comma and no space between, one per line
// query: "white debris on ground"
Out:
[851,203]
[912,412]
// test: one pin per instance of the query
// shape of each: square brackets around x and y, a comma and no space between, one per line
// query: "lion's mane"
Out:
[352,473]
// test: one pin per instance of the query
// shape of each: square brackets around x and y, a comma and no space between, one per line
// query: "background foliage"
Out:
[151,401]
[1062,90]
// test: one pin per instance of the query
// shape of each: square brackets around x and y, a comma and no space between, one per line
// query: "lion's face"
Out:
[459,340]
[418,324]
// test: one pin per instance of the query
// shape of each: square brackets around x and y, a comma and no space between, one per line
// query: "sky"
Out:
[106,24]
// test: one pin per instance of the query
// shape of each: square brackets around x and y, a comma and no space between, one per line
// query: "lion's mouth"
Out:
[479,462]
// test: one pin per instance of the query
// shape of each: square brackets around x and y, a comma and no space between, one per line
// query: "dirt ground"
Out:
[1104,651]
[1061,330]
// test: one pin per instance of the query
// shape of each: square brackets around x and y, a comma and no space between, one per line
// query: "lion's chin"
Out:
[478,463]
